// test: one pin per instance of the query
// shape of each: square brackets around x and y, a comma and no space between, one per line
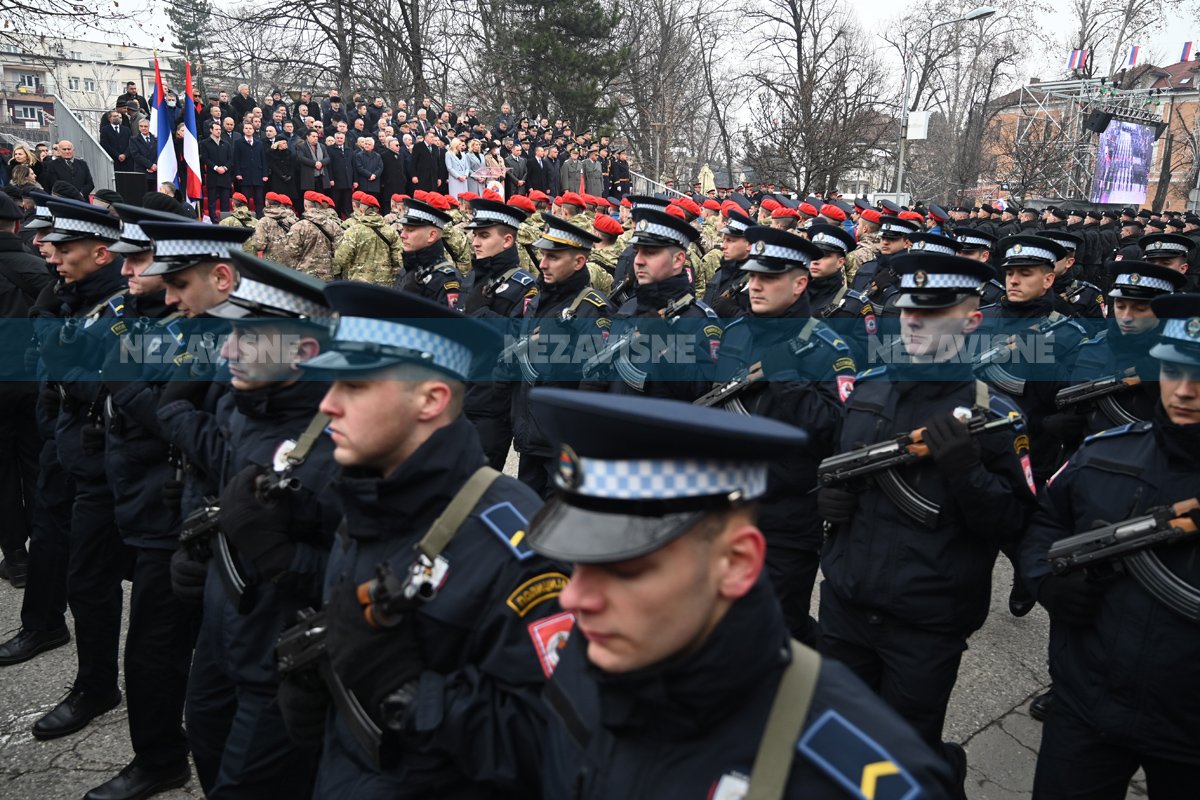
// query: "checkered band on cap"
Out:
[42,212]
[1184,331]
[499,217]
[657,205]
[565,237]
[446,353]
[936,281]
[832,241]
[192,248]
[895,227]
[131,232]
[1173,247]
[737,227]
[1025,251]
[86,227]
[670,479]
[933,247]
[417,214]
[1136,280]
[762,249]
[1066,244]
[264,294]
[974,241]
[663,232]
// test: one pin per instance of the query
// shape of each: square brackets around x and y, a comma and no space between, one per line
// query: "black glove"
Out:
[50,401]
[1065,426]
[48,303]
[184,389]
[187,576]
[951,445]
[257,528]
[1071,599]
[172,494]
[91,439]
[304,703]
[836,506]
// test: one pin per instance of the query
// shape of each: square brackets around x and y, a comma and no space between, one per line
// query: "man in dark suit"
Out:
[311,159]
[425,163]
[67,167]
[341,174]
[394,170]
[216,162]
[250,168]
[114,138]
[514,180]
[143,153]
[539,169]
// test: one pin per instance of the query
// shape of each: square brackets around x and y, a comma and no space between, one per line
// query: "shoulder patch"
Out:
[1133,427]
[871,373]
[446,268]
[713,331]
[510,526]
[855,761]
[550,636]
[535,591]
[451,286]
[1001,405]
[830,337]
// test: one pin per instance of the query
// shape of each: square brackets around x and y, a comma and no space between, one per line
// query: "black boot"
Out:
[27,644]
[136,782]
[1020,599]
[76,710]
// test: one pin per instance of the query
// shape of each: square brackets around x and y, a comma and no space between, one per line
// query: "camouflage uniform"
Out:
[271,235]
[370,251]
[458,248]
[527,254]
[241,217]
[708,267]
[710,237]
[601,265]
[312,242]
[583,220]
[867,250]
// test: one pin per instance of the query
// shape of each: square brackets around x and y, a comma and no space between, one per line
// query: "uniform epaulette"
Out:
[871,373]
[447,268]
[1100,338]
[855,761]
[854,294]
[522,277]
[595,298]
[706,308]
[510,526]
[830,337]
[1132,427]
[1002,405]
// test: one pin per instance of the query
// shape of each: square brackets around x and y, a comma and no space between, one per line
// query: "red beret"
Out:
[538,196]
[241,198]
[625,202]
[467,196]
[785,213]
[357,196]
[808,208]
[421,194]
[871,215]
[688,205]
[326,199]
[270,197]
[602,202]
[676,211]
[312,196]
[522,202]
[912,216]
[730,205]
[606,224]
[399,198]
[712,205]
[439,201]
[573,199]
[770,203]
[452,200]
[558,201]
[492,194]
[368,200]
[833,212]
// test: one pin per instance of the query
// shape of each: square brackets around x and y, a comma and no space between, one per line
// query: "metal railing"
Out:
[642,184]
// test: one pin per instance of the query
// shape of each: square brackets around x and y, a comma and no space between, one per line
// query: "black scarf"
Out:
[652,297]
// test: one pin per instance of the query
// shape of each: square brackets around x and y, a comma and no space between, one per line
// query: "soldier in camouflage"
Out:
[270,239]
[315,237]
[370,250]
[241,216]
[868,238]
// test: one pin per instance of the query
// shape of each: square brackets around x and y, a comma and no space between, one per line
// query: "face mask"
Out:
[171,103]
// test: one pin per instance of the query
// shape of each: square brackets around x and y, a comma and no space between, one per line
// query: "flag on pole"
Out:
[191,145]
[168,164]
[1134,52]
[1078,59]
[1187,52]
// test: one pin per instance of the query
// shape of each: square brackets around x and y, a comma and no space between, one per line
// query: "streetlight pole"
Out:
[981,12]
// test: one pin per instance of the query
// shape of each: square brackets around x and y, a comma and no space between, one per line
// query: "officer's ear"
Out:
[224,277]
[740,552]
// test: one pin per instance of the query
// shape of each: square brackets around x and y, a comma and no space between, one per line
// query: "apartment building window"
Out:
[73,84]
[25,112]
[29,79]
[89,85]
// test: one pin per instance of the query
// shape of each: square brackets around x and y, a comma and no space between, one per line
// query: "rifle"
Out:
[1129,545]
[1102,391]
[726,395]
[519,350]
[609,355]
[989,362]
[880,460]
[623,290]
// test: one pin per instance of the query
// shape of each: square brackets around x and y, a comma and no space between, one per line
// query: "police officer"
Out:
[1119,645]
[907,582]
[673,703]
[624,278]
[498,290]
[804,372]
[561,321]
[427,271]
[874,278]
[725,288]
[1076,297]
[162,630]
[1128,245]
[276,525]
[978,246]
[664,342]
[448,684]
[1169,250]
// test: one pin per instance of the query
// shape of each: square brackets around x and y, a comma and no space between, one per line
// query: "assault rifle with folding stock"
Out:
[1102,392]
[614,355]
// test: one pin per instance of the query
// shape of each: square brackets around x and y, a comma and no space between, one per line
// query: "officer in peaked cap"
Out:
[409,457]
[664,305]
[723,278]
[849,312]
[1076,297]
[41,217]
[1169,249]
[1125,633]
[427,271]
[888,207]
[978,245]
[74,222]
[929,242]
[180,246]
[572,315]
[903,628]
[277,520]
[809,371]
[682,503]
[875,279]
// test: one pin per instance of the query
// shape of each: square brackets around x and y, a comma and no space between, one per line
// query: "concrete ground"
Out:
[989,713]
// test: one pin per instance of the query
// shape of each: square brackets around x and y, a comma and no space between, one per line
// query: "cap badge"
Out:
[1135,279]
[569,475]
[641,226]
[1193,327]
[1016,247]
[920,278]
[760,248]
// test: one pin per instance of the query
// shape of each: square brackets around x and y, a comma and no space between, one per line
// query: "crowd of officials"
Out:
[288,431]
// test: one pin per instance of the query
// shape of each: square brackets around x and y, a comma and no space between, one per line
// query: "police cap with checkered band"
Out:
[267,292]
[774,251]
[181,245]
[937,280]
[1179,337]
[75,221]
[621,497]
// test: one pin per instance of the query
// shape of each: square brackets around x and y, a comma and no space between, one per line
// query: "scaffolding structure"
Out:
[1051,115]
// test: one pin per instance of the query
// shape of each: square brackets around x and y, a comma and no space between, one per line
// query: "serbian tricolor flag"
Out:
[1187,52]
[161,123]
[1134,52]
[191,146]
[1078,59]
